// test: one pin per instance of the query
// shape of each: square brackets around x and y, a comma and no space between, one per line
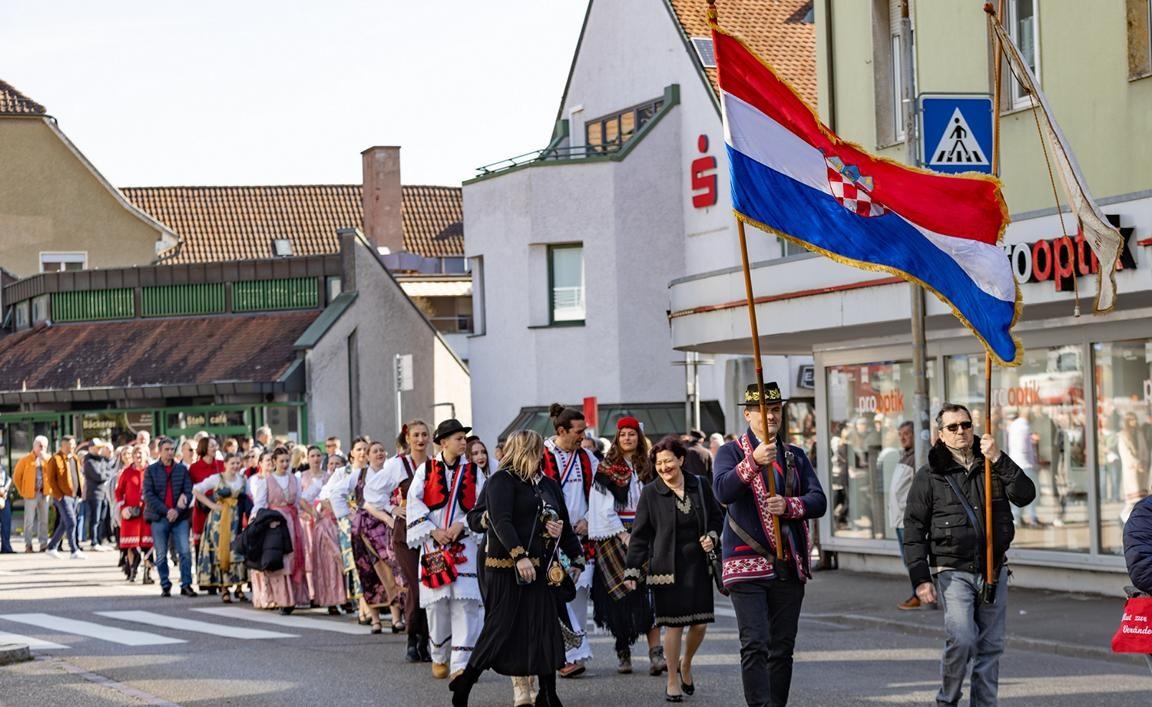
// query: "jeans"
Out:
[1030,509]
[768,614]
[6,527]
[164,532]
[81,520]
[975,636]
[97,515]
[36,520]
[65,524]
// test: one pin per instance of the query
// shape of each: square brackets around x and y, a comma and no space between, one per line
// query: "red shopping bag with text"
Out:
[1135,632]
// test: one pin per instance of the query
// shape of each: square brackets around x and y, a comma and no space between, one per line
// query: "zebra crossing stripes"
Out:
[178,624]
[60,624]
[289,622]
[35,644]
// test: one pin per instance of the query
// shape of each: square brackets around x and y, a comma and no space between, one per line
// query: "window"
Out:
[1123,433]
[281,247]
[788,248]
[888,71]
[897,89]
[40,308]
[1022,28]
[566,283]
[1041,423]
[353,385]
[59,262]
[867,403]
[478,322]
[1139,38]
[609,133]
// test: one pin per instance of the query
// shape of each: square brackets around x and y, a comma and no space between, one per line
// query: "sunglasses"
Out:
[966,425]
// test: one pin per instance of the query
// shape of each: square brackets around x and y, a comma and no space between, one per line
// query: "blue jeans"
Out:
[81,520]
[1030,509]
[6,527]
[975,636]
[65,524]
[164,532]
[96,516]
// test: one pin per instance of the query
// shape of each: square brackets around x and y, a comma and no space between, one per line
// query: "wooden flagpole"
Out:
[714,22]
[989,557]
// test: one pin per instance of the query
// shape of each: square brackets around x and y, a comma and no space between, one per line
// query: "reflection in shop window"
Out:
[867,403]
[1123,433]
[1039,416]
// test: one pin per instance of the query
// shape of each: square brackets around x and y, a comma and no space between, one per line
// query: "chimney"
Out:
[383,224]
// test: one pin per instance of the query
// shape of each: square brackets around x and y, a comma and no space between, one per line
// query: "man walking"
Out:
[66,486]
[944,533]
[766,582]
[898,487]
[32,484]
[699,459]
[168,507]
[98,469]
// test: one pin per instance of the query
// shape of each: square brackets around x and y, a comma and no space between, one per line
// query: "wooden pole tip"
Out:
[989,9]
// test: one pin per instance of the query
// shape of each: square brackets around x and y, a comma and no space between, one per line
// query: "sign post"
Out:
[403,370]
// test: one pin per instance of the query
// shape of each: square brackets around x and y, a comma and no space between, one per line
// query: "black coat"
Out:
[1138,545]
[654,538]
[265,542]
[97,471]
[513,525]
[937,531]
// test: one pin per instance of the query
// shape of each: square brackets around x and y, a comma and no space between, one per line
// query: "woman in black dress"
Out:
[678,522]
[526,518]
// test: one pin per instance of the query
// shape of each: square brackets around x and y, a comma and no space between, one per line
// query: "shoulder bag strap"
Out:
[749,540]
[966,505]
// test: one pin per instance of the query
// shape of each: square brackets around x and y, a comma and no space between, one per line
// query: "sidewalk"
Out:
[1046,621]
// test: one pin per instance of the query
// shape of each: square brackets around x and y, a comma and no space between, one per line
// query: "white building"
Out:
[572,248]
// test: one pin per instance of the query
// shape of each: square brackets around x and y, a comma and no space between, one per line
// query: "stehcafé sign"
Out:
[214,418]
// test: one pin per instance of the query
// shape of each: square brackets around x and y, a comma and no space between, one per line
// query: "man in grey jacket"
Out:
[98,468]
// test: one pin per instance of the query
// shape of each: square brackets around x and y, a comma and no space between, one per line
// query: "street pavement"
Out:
[100,641]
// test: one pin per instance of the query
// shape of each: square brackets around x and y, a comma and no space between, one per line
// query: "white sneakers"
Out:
[53,554]
[78,555]
[100,548]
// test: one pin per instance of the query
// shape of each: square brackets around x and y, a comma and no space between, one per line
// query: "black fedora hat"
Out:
[772,395]
[448,428]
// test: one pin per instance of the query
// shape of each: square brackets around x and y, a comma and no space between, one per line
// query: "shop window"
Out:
[1123,434]
[867,403]
[566,283]
[1039,416]
[284,422]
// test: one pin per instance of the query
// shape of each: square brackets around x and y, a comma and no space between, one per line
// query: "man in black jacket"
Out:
[168,507]
[944,535]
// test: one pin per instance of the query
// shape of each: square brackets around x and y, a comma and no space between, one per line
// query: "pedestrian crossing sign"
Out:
[956,132]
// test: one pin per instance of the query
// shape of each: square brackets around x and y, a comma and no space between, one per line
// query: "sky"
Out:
[290,92]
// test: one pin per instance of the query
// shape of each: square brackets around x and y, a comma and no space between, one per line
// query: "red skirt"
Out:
[135,533]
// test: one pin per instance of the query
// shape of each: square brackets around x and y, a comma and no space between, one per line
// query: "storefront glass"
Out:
[867,403]
[116,427]
[284,421]
[1123,433]
[1039,415]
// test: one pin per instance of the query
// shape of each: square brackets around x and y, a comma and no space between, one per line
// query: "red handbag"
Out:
[1135,632]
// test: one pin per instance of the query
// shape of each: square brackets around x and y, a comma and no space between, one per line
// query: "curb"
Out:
[1036,645]
[11,653]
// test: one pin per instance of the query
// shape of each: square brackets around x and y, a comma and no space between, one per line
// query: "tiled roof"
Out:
[774,29]
[226,223]
[12,102]
[183,351]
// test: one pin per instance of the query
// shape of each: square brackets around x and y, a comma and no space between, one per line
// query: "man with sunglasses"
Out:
[944,537]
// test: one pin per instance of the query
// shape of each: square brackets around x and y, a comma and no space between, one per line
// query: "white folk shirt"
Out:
[379,485]
[335,492]
[421,523]
[604,520]
[573,490]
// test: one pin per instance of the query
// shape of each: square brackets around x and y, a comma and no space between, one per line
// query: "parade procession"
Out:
[807,359]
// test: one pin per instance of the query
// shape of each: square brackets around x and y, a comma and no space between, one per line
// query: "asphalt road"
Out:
[161,656]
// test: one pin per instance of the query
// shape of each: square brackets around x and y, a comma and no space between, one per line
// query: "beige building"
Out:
[57,212]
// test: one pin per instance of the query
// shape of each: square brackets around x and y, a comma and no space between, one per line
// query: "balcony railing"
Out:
[552,153]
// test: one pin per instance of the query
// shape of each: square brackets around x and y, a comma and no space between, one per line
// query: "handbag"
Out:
[132,512]
[715,566]
[1135,632]
[438,565]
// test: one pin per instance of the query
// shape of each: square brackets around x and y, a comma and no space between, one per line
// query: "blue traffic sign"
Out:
[956,132]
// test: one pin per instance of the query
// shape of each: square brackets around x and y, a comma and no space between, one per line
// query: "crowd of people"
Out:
[498,562]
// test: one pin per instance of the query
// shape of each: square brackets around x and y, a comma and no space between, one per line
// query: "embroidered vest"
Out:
[436,486]
[553,471]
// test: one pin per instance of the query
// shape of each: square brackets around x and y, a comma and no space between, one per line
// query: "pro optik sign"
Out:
[1062,259]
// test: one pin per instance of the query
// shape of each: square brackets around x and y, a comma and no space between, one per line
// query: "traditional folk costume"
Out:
[523,633]
[611,511]
[218,565]
[441,494]
[286,588]
[408,559]
[574,472]
[200,470]
[338,494]
[324,566]
[380,576]
[135,532]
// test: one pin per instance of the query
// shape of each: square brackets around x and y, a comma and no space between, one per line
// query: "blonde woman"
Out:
[526,519]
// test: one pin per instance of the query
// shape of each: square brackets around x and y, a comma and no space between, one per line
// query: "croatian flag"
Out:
[793,177]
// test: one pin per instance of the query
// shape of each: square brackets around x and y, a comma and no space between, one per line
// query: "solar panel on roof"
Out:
[705,51]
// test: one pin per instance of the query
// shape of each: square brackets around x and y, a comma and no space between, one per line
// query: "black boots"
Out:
[413,655]
[547,696]
[461,686]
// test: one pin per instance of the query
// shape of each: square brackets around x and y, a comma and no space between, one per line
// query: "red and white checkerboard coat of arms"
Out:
[852,189]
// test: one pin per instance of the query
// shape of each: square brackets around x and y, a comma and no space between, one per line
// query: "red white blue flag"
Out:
[793,177]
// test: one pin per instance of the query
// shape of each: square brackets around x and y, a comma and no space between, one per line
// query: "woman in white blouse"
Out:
[218,566]
[280,491]
[380,575]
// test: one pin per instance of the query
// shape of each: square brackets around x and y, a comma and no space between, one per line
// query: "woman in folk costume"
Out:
[525,520]
[416,436]
[279,491]
[443,490]
[135,532]
[333,499]
[611,512]
[217,566]
[571,466]
[372,524]
[678,524]
[204,466]
[324,565]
